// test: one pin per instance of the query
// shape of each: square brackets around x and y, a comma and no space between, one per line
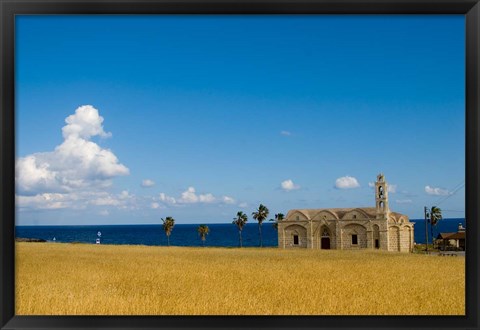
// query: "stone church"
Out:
[349,228]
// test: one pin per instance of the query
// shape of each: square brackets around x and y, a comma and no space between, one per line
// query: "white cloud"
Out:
[147,183]
[207,198]
[371,184]
[125,195]
[437,191]
[106,201]
[404,201]
[190,196]
[155,205]
[285,133]
[228,200]
[104,213]
[85,123]
[46,201]
[346,182]
[167,199]
[288,185]
[123,200]
[243,205]
[76,200]
[75,164]
[76,173]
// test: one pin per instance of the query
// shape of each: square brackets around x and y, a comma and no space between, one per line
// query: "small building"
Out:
[349,228]
[452,241]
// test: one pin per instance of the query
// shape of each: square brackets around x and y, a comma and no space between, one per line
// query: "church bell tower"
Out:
[381,198]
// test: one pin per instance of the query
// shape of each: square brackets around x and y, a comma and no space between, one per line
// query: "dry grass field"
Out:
[80,279]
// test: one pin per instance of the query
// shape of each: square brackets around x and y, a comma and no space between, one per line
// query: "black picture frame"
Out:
[10,8]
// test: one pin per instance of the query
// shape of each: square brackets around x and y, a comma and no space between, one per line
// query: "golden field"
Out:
[81,279]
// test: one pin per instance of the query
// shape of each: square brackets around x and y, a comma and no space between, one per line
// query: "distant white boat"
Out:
[97,241]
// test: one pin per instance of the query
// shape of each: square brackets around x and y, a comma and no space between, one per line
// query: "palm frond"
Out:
[435,215]
[261,214]
[240,220]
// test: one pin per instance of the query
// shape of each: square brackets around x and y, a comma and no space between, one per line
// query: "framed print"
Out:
[267,164]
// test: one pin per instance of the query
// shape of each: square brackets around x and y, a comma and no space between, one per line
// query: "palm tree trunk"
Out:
[240,237]
[203,242]
[431,232]
[260,233]
[168,240]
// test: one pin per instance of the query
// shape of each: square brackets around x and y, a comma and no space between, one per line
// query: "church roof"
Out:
[457,235]
[371,212]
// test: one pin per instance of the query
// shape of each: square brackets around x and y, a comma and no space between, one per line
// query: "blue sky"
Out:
[127,119]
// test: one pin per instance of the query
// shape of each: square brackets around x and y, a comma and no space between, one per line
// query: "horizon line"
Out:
[159,224]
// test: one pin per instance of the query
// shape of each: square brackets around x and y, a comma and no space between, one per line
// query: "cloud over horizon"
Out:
[147,183]
[288,185]
[437,191]
[190,196]
[76,167]
[346,182]
[77,200]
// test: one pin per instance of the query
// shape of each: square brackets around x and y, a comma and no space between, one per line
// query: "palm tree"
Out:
[260,215]
[203,231]
[435,217]
[278,217]
[240,221]
[168,224]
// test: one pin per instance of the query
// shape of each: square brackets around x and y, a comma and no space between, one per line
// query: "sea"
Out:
[221,235]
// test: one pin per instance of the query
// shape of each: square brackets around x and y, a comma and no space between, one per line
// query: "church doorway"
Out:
[325,239]
[325,243]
